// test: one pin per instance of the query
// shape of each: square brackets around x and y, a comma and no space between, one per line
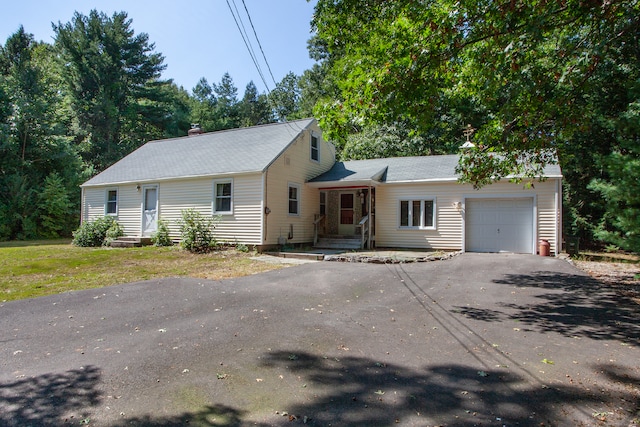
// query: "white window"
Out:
[418,213]
[315,148]
[294,199]
[223,196]
[111,205]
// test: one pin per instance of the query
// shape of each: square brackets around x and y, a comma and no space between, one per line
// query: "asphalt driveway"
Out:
[479,339]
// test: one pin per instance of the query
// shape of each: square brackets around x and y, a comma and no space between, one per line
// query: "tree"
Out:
[527,61]
[534,78]
[254,108]
[33,144]
[286,98]
[227,102]
[113,81]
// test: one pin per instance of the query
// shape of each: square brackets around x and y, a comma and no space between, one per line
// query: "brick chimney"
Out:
[195,129]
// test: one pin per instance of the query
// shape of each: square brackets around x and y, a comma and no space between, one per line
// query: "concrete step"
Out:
[131,242]
[339,242]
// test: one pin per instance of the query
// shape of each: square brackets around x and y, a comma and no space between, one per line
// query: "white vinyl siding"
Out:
[243,226]
[449,212]
[129,207]
[295,166]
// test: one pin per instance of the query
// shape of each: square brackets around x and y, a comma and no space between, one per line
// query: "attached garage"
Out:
[500,225]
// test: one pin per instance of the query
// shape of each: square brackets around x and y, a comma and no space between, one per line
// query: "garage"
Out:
[499,225]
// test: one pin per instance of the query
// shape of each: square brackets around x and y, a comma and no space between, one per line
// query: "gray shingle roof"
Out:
[401,169]
[250,149]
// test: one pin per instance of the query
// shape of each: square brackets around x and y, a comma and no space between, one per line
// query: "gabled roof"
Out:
[242,150]
[398,170]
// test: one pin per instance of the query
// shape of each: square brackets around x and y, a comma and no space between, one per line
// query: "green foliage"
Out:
[241,247]
[33,146]
[54,207]
[286,97]
[98,232]
[161,236]
[534,78]
[112,78]
[197,231]
[621,223]
[527,66]
[113,232]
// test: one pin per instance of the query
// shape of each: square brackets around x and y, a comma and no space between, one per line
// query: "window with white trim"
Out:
[294,199]
[418,213]
[315,148]
[223,196]
[111,204]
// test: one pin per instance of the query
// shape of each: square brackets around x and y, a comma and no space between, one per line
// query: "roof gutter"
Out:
[175,178]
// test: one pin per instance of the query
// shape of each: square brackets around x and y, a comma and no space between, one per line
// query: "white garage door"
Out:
[499,225]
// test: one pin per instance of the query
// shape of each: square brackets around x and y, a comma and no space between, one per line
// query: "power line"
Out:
[259,44]
[247,42]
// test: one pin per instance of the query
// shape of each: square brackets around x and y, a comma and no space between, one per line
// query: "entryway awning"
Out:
[363,173]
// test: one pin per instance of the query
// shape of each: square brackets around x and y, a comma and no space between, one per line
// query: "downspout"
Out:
[558,217]
[265,216]
[370,216]
[82,202]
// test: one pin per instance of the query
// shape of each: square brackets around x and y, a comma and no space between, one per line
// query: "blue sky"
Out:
[198,38]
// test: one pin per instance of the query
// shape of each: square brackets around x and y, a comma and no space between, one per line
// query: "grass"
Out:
[34,269]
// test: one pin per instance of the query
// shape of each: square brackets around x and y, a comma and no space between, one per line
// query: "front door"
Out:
[347,226]
[149,210]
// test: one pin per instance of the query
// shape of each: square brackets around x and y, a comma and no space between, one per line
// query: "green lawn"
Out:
[33,269]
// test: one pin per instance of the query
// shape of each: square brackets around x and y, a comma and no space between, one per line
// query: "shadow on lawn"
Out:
[45,400]
[571,305]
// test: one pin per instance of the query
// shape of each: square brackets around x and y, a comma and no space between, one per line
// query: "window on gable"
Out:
[223,196]
[315,148]
[294,199]
[111,206]
[417,213]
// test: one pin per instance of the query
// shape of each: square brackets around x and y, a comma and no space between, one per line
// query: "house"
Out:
[279,184]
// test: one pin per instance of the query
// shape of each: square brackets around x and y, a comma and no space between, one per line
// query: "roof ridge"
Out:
[221,131]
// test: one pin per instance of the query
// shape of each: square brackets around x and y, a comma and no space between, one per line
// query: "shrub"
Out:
[113,232]
[95,233]
[196,231]
[161,236]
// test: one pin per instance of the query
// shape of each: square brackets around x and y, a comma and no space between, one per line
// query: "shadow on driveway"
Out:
[574,306]
[45,400]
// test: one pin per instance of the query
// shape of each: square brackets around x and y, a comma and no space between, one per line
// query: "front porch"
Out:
[346,219]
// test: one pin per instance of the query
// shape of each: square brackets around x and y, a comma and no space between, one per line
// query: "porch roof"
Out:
[394,169]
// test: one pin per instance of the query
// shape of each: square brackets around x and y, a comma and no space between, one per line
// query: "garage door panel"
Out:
[499,225]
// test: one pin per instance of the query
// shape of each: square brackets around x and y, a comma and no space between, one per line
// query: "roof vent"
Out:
[195,129]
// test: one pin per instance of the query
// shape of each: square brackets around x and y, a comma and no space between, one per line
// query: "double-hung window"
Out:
[294,199]
[315,148]
[418,213]
[223,196]
[111,205]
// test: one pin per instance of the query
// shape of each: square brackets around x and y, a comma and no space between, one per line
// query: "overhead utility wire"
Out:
[247,44]
[259,44]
